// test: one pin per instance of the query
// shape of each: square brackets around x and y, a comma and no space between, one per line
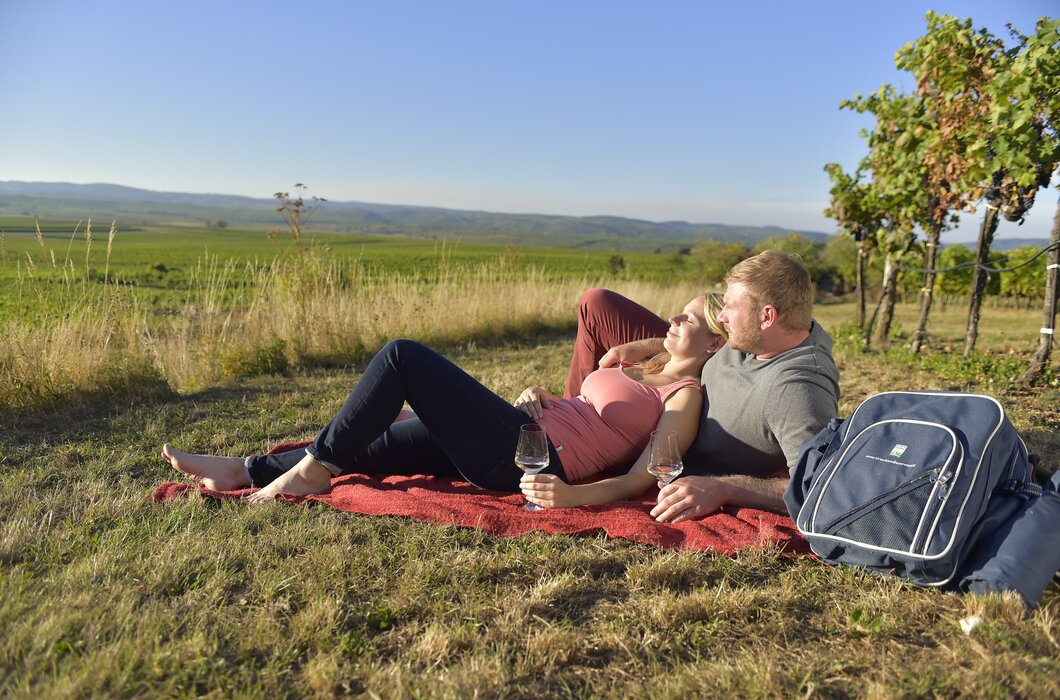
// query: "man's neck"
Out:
[781,342]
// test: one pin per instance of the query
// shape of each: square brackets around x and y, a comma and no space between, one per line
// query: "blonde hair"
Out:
[779,280]
[712,305]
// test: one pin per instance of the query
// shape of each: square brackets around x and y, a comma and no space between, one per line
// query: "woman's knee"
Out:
[593,297]
[600,303]
[596,298]
[400,347]
[403,353]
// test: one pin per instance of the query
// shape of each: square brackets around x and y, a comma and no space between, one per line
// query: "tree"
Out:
[895,240]
[793,244]
[855,207]
[1019,139]
[717,257]
[841,255]
[956,262]
[1027,280]
[897,177]
[1052,291]
[911,278]
[1038,63]
[951,64]
[979,125]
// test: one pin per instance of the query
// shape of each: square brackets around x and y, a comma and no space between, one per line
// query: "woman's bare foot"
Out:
[307,477]
[215,473]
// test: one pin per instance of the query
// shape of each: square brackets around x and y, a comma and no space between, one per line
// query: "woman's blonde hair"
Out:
[712,305]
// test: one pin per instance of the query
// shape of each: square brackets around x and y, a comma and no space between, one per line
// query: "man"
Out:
[771,387]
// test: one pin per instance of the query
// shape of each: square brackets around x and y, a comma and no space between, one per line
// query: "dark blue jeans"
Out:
[460,426]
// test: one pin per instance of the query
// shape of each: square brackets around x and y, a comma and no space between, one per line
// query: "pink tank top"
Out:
[608,424]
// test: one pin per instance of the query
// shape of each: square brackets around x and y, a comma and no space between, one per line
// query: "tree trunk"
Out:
[1045,341]
[931,256]
[979,276]
[871,323]
[861,285]
[890,292]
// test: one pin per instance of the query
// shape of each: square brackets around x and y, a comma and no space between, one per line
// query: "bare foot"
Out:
[215,473]
[307,477]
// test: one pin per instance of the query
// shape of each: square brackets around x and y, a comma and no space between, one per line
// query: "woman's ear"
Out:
[716,344]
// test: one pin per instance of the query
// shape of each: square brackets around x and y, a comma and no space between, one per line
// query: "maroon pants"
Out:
[607,319]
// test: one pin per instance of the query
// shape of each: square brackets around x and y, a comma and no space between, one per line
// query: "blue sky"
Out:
[698,111]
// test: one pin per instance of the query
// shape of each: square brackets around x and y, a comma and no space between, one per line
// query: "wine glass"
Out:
[531,454]
[664,460]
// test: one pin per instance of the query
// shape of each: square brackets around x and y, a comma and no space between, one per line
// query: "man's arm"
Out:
[696,496]
[800,410]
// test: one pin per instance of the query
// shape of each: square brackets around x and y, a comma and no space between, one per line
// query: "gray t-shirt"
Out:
[756,413]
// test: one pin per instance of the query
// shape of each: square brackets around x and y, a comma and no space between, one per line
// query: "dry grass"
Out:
[323,313]
[75,336]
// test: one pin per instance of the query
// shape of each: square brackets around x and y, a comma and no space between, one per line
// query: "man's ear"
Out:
[768,316]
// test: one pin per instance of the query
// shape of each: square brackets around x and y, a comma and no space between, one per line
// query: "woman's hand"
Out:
[548,491]
[533,401]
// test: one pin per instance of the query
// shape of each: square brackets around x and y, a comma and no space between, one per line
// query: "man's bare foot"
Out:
[215,473]
[307,477]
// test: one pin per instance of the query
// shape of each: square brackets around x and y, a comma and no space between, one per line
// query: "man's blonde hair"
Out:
[779,280]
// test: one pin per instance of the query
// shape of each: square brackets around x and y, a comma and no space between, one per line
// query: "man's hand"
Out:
[690,497]
[696,496]
[548,491]
[634,351]
[533,401]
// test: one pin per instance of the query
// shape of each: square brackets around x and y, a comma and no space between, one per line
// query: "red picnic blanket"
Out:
[450,501]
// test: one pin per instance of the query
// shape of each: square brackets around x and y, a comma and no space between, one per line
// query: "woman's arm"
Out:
[633,351]
[680,413]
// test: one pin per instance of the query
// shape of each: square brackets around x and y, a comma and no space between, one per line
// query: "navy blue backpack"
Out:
[933,487]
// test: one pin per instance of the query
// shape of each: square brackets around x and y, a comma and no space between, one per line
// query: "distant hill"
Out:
[136,207]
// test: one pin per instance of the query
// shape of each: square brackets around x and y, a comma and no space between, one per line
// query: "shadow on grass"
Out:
[88,413]
[1045,444]
[524,335]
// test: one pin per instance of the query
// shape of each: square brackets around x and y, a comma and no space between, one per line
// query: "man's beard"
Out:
[748,338]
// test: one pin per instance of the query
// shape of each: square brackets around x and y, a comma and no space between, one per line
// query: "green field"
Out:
[105,594]
[157,262]
[180,248]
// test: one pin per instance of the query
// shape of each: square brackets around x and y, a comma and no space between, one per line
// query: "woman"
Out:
[462,427]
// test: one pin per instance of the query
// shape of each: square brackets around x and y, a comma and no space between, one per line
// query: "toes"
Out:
[258,498]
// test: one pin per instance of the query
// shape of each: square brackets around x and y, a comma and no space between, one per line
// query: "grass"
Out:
[86,314]
[103,593]
[156,264]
